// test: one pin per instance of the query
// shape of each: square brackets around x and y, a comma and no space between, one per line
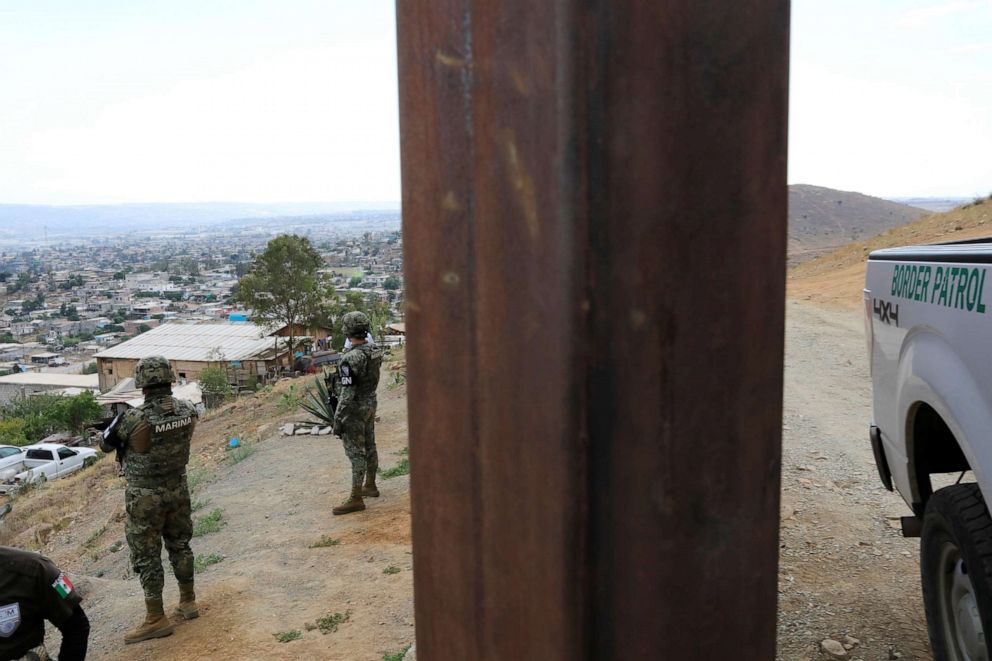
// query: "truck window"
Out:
[8,452]
[44,455]
[65,453]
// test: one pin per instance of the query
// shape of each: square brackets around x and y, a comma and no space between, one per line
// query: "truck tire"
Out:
[956,568]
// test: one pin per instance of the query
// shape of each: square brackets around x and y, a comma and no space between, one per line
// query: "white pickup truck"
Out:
[928,321]
[44,461]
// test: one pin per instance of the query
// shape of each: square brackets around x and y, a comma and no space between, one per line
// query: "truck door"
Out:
[67,461]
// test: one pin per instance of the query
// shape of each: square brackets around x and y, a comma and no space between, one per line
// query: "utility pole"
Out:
[594,213]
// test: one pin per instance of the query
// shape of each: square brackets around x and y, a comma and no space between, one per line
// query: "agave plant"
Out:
[320,403]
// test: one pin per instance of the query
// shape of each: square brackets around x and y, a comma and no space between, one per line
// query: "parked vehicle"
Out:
[929,333]
[10,455]
[44,461]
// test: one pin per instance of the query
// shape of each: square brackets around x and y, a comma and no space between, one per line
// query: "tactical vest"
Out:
[367,381]
[159,447]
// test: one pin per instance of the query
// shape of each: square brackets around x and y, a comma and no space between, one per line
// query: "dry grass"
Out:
[46,511]
[837,278]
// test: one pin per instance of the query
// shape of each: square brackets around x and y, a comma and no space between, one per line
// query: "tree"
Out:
[285,286]
[355,281]
[143,328]
[119,275]
[215,386]
[391,283]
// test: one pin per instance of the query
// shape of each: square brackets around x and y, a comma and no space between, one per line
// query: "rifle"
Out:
[332,381]
[108,433]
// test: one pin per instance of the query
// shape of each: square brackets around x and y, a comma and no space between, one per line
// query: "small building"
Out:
[32,383]
[245,350]
[47,358]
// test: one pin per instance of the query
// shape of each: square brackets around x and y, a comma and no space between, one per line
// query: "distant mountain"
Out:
[28,221]
[821,219]
[935,204]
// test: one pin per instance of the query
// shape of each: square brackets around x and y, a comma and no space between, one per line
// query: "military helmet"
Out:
[356,324]
[153,371]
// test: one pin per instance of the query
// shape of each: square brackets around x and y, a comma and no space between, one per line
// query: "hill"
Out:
[821,219]
[836,278]
[271,560]
[25,221]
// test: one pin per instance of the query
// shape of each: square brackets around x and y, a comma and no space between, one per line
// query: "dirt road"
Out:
[845,568]
[273,574]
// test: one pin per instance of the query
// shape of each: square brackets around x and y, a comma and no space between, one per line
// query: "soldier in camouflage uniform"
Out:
[354,418]
[156,438]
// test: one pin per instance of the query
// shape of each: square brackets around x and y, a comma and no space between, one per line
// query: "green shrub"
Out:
[201,562]
[329,623]
[240,453]
[209,523]
[324,542]
[288,636]
[402,468]
[397,656]
[12,432]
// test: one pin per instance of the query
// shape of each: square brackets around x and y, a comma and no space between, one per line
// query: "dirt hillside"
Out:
[275,562]
[836,278]
[821,219]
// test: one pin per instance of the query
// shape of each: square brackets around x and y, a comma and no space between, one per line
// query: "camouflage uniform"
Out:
[156,438]
[354,418]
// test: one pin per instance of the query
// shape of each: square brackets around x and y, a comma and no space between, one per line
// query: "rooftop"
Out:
[202,342]
[89,381]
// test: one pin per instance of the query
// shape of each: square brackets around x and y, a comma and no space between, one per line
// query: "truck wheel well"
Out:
[935,450]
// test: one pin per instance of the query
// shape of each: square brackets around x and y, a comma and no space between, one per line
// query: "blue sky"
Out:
[295,100]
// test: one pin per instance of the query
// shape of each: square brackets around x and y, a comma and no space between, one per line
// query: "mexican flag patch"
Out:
[62,585]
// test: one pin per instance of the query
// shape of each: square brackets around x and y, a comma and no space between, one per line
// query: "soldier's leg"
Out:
[371,451]
[177,532]
[371,457]
[143,531]
[354,447]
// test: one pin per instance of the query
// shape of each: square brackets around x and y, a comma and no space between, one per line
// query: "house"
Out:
[247,351]
[31,383]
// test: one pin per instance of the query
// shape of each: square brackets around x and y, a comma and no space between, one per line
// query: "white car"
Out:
[10,455]
[44,461]
[929,331]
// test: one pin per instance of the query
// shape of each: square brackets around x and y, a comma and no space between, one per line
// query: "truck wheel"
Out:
[956,566]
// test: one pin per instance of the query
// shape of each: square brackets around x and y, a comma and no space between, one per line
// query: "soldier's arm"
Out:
[134,432]
[118,438]
[60,604]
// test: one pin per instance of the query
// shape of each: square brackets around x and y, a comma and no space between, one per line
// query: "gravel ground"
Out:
[846,573]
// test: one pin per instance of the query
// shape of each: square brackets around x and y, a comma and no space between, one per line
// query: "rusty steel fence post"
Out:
[594,213]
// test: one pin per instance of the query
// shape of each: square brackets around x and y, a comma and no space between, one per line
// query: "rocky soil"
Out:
[282,562]
[847,576]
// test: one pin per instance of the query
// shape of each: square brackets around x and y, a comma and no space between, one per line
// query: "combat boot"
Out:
[156,624]
[187,603]
[353,504]
[370,490]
